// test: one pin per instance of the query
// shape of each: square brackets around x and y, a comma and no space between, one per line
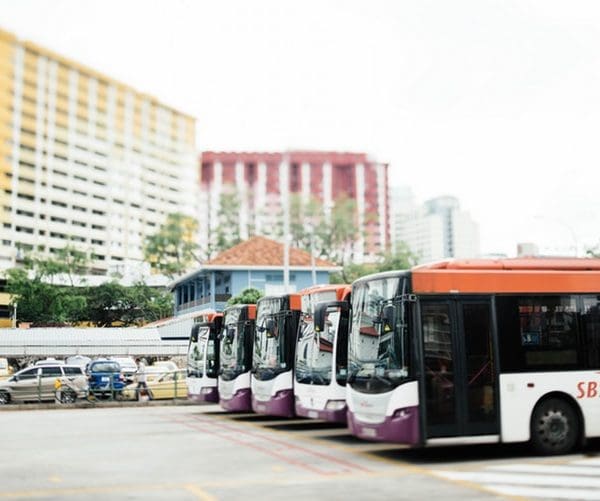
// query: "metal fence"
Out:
[159,385]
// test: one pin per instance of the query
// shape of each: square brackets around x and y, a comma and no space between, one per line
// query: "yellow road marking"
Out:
[77,491]
[199,493]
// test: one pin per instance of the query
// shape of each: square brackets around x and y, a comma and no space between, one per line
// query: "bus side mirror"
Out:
[230,334]
[388,317]
[270,327]
[320,312]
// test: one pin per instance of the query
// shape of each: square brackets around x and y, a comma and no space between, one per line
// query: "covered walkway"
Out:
[91,342]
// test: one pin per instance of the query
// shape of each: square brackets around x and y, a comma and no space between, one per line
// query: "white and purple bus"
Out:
[203,358]
[477,351]
[236,342]
[272,378]
[322,353]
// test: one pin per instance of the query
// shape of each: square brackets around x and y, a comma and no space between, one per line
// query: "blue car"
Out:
[105,379]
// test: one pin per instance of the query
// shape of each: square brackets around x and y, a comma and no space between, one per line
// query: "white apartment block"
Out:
[437,229]
[85,160]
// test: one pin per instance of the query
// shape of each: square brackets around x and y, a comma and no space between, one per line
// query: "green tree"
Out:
[338,233]
[151,303]
[172,249]
[593,252]
[43,303]
[112,304]
[331,237]
[402,259]
[247,296]
[228,230]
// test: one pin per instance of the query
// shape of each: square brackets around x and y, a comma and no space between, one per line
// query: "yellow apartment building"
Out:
[85,160]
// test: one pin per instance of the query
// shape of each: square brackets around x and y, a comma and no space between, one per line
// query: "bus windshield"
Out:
[269,342]
[196,352]
[233,355]
[314,355]
[378,351]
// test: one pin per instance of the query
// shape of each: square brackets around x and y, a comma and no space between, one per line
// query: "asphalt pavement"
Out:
[186,452]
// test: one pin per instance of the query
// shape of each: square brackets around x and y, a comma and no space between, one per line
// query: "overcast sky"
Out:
[494,102]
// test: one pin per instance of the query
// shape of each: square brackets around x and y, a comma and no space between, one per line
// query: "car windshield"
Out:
[197,350]
[378,350]
[233,354]
[269,341]
[106,367]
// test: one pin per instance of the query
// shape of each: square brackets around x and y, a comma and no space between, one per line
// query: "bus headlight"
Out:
[335,405]
[401,414]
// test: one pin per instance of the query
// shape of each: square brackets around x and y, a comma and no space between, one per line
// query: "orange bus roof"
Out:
[342,290]
[520,275]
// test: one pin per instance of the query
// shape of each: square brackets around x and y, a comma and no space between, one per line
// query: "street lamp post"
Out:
[286,220]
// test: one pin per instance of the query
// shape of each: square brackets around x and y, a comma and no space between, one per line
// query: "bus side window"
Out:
[590,320]
[538,333]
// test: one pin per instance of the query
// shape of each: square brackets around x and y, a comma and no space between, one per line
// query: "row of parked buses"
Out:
[455,352]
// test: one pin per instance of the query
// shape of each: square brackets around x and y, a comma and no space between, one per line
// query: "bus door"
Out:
[460,390]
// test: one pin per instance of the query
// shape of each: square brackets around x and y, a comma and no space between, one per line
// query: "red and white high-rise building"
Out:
[263,183]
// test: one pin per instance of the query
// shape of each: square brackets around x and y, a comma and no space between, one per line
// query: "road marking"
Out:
[199,492]
[550,469]
[572,480]
[110,489]
[277,447]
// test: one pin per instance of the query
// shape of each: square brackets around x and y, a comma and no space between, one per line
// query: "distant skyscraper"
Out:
[436,230]
[85,160]
[263,182]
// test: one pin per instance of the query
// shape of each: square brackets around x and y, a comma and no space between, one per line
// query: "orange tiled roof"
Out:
[261,251]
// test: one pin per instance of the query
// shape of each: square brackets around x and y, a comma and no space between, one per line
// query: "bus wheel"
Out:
[554,427]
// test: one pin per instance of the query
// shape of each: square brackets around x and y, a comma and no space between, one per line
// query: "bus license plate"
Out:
[313,414]
[369,432]
[104,379]
[261,408]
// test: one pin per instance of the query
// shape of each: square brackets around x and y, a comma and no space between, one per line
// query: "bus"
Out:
[236,341]
[272,378]
[322,354]
[203,358]
[477,351]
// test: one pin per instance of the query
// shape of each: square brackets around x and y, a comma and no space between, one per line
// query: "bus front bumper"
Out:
[239,402]
[333,416]
[207,394]
[402,427]
[282,404]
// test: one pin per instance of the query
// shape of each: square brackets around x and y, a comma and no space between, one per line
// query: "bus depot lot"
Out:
[200,452]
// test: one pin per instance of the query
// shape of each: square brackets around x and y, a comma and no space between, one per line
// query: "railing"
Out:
[219,298]
[160,385]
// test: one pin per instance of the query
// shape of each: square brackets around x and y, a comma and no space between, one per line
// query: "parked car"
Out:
[49,361]
[80,360]
[168,385]
[105,378]
[128,368]
[37,383]
[160,367]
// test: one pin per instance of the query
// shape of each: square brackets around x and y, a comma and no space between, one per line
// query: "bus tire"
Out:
[555,427]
